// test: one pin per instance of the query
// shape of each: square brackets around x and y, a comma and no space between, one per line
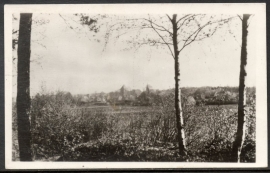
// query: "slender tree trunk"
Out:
[23,90]
[178,106]
[240,134]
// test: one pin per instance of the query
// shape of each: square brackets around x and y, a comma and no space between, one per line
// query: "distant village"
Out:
[150,96]
[123,96]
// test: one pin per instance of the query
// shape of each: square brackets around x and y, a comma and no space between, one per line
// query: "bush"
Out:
[61,128]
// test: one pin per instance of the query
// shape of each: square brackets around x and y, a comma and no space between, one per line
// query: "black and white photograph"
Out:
[135,86]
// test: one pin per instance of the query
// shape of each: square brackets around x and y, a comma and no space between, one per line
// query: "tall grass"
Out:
[60,128]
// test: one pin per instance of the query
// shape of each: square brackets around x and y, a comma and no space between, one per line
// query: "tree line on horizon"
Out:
[196,95]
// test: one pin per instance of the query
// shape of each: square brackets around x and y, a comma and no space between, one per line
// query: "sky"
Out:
[74,60]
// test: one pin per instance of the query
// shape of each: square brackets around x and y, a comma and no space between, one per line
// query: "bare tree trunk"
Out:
[178,107]
[23,90]
[240,134]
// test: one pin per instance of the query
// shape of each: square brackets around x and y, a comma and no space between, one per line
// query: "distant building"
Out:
[149,89]
[124,95]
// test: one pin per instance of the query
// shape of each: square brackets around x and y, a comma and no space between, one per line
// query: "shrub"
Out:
[61,128]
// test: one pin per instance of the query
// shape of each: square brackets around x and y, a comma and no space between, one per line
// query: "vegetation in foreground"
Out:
[63,131]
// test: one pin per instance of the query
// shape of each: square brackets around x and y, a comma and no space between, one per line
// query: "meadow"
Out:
[63,131]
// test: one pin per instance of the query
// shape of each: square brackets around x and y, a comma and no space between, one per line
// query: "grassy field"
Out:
[133,133]
[116,109]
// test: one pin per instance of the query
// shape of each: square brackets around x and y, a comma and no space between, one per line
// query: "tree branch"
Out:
[188,41]
[186,20]
[163,28]
[239,17]
[182,18]
[169,17]
[67,23]
[163,40]
[34,41]
[249,20]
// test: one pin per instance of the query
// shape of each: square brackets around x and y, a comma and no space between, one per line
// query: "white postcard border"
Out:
[259,9]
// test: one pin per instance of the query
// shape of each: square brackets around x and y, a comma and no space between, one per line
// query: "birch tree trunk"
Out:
[178,107]
[240,134]
[23,90]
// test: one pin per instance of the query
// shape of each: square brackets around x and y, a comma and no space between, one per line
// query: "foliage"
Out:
[133,133]
[219,95]
[148,99]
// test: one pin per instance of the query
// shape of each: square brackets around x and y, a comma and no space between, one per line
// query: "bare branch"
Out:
[67,23]
[189,40]
[169,17]
[39,43]
[140,45]
[250,19]
[154,42]
[229,29]
[186,43]
[148,24]
[239,17]
[84,21]
[163,43]
[186,20]
[163,28]
[182,18]
[163,40]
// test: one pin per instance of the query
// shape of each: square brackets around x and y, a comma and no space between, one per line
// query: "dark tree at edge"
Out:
[240,134]
[23,90]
